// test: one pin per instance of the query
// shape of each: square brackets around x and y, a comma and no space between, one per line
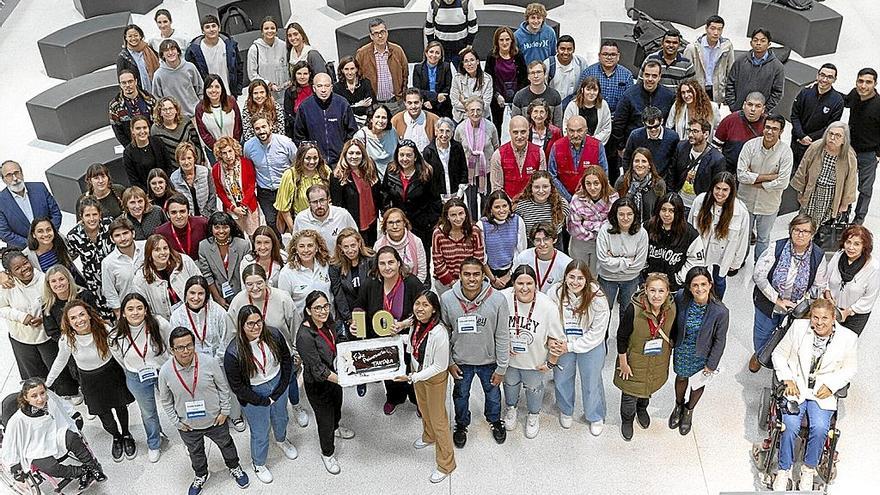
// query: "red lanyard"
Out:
[134,346]
[188,238]
[419,337]
[172,294]
[388,299]
[263,351]
[204,325]
[192,393]
[467,307]
[655,328]
[331,341]
[541,281]
[265,302]
[404,184]
[516,312]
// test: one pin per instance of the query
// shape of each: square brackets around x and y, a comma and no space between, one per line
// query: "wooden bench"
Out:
[808,32]
[67,177]
[83,47]
[691,13]
[92,8]
[72,109]
[351,6]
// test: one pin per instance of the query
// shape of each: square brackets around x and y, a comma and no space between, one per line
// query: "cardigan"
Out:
[372,295]
[248,186]
[436,357]
[712,336]
[845,177]
[240,383]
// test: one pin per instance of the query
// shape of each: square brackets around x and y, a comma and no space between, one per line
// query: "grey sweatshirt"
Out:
[268,63]
[490,340]
[184,83]
[211,387]
[621,256]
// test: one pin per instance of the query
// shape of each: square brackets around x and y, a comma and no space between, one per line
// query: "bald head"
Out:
[323,85]
[519,131]
[576,129]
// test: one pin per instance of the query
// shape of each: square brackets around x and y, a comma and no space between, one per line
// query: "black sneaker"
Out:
[459,436]
[626,430]
[499,433]
[130,447]
[116,450]
[85,479]
[643,418]
[97,472]
[362,390]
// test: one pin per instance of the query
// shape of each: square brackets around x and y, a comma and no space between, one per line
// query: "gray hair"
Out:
[844,127]
[757,96]
[445,121]
[472,99]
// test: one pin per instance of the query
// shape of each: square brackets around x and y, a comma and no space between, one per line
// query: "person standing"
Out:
[163,20]
[216,53]
[355,186]
[432,77]
[325,118]
[854,278]
[469,81]
[572,155]
[162,278]
[656,138]
[272,154]
[513,164]
[826,178]
[323,217]
[479,140]
[509,73]
[547,262]
[385,65]
[143,154]
[195,396]
[621,252]
[588,211]
[119,266]
[415,124]
[177,79]
[864,123]
[454,239]
[235,184]
[131,102]
[138,57]
[453,23]
[564,70]
[763,170]
[713,56]
[535,39]
[813,110]
[538,89]
[738,127]
[694,164]
[267,59]
[20,203]
[757,70]
[676,67]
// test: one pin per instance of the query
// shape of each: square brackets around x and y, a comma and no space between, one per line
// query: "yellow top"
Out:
[288,193]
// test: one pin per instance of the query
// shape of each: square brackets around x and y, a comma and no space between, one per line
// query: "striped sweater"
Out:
[447,254]
[448,24]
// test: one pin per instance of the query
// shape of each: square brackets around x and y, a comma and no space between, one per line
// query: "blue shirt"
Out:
[145,82]
[270,160]
[710,56]
[758,61]
[612,87]
[432,78]
[24,202]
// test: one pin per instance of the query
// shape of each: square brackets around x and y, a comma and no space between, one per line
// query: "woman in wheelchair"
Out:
[814,360]
[41,432]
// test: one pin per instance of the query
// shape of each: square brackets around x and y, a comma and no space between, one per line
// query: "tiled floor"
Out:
[380,459]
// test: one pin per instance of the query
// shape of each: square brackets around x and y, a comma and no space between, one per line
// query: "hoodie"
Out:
[183,83]
[536,46]
[745,76]
[489,341]
[268,63]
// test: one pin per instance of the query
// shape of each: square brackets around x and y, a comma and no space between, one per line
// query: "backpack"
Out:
[436,7]
[235,21]
[797,4]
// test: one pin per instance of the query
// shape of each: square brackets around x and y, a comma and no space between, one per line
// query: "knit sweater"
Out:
[587,216]
[183,83]
[447,253]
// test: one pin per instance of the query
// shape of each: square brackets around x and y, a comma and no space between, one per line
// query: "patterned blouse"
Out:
[91,254]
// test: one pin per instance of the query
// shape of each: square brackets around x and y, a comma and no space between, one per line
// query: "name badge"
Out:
[519,346]
[147,374]
[228,292]
[195,409]
[653,347]
[467,324]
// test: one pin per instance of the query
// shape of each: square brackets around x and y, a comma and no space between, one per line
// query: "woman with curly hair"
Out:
[261,101]
[540,202]
[589,210]
[454,239]
[691,103]
[308,261]
[309,168]
[542,132]
[355,186]
[171,127]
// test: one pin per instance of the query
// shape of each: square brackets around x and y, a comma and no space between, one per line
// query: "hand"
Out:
[441,97]
[625,371]
[428,105]
[791,388]
[806,140]
[333,378]
[352,327]
[401,378]
[36,321]
[500,100]
[823,393]
[455,371]
[6,281]
[543,367]
[221,418]
[183,426]
[241,211]
[497,379]
[273,87]
[620,153]
[785,303]
[846,313]
[708,371]
[562,346]
[27,320]
[400,326]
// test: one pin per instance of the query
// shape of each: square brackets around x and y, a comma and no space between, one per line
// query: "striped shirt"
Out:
[612,87]
[533,214]
[671,75]
[447,254]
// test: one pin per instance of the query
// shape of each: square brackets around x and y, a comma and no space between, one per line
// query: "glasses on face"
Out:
[12,175]
[319,202]
[543,240]
[609,54]
[378,33]
[536,72]
[321,307]
[695,131]
[181,348]
[800,232]
[254,323]
[395,222]
[826,77]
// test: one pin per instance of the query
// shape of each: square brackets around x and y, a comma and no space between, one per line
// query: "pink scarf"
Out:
[477,158]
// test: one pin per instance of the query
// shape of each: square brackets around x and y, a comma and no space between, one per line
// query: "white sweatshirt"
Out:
[529,333]
[583,334]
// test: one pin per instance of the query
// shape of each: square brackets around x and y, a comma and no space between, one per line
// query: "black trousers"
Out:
[195,445]
[36,360]
[266,199]
[857,322]
[326,400]
[109,422]
[397,392]
[613,161]
[629,404]
[76,446]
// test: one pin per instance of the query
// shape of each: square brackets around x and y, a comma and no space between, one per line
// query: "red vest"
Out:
[515,180]
[565,169]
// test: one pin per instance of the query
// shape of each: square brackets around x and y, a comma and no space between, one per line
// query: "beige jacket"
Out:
[694,52]
[804,180]
[397,65]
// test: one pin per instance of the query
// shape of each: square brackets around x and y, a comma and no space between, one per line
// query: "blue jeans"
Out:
[820,422]
[764,326]
[260,417]
[621,292]
[461,393]
[293,389]
[145,395]
[533,380]
[763,226]
[589,367]
[719,282]
[867,168]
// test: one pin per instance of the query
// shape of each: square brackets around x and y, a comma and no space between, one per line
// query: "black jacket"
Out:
[138,162]
[709,164]
[421,203]
[345,294]
[458,173]
[316,354]
[713,332]
[812,113]
[346,196]
[522,75]
[240,382]
[363,90]
[372,294]
[443,85]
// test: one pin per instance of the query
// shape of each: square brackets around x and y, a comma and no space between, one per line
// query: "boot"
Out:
[675,417]
[97,471]
[85,477]
[686,416]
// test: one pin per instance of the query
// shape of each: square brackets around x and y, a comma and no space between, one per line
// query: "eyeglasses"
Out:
[318,202]
[694,131]
[254,324]
[11,175]
[543,240]
[321,307]
[801,232]
[826,77]
[609,54]
[181,348]
[383,32]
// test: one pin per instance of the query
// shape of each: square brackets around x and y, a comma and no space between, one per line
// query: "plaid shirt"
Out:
[586,217]
[612,87]
[385,91]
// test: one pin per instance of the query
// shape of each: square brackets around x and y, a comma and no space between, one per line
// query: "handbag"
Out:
[829,233]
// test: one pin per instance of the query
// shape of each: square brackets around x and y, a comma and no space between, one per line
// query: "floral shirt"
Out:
[90,255]
[585,216]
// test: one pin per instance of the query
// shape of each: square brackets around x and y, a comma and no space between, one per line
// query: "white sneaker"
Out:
[532,426]
[302,417]
[289,450]
[420,444]
[238,424]
[343,433]
[596,428]
[75,399]
[263,473]
[437,476]
[154,454]
[331,464]
[807,475]
[510,418]
[780,484]
[565,421]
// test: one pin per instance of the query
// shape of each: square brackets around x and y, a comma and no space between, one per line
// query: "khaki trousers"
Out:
[431,397]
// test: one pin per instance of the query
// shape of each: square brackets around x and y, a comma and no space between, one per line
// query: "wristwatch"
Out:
[551,365]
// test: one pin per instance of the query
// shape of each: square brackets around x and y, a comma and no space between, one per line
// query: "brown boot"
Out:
[754,365]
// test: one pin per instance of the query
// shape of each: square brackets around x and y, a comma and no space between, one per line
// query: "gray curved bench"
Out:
[255,9]
[351,6]
[692,13]
[621,33]
[808,32]
[407,30]
[83,47]
[548,4]
[72,109]
[67,177]
[91,8]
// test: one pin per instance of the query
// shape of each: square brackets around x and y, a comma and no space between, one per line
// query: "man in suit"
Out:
[20,203]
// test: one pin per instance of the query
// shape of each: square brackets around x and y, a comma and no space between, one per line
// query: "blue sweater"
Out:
[329,124]
[540,46]
[628,115]
[662,150]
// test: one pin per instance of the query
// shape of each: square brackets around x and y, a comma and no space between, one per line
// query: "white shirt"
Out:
[337,219]
[130,355]
[555,267]
[215,59]
[267,366]
[299,282]
[117,272]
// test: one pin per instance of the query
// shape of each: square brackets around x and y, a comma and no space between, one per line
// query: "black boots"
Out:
[686,416]
[626,430]
[643,418]
[459,436]
[675,417]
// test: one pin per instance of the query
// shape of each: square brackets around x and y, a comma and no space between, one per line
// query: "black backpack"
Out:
[797,4]
[235,21]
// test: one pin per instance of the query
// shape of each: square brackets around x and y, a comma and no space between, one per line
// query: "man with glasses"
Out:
[538,88]
[385,65]
[196,398]
[864,124]
[20,203]
[325,118]
[734,130]
[813,110]
[713,56]
[272,154]
[695,163]
[131,102]
[323,217]
[549,263]
[763,171]
[654,136]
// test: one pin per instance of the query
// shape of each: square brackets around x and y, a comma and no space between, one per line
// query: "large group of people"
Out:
[497,211]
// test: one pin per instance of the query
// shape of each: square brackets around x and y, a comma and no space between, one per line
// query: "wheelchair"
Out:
[765,453]
[34,481]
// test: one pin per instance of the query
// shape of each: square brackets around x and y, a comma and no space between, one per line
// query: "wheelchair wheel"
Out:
[765,404]
[29,487]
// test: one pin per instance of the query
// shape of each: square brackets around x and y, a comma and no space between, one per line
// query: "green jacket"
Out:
[649,373]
